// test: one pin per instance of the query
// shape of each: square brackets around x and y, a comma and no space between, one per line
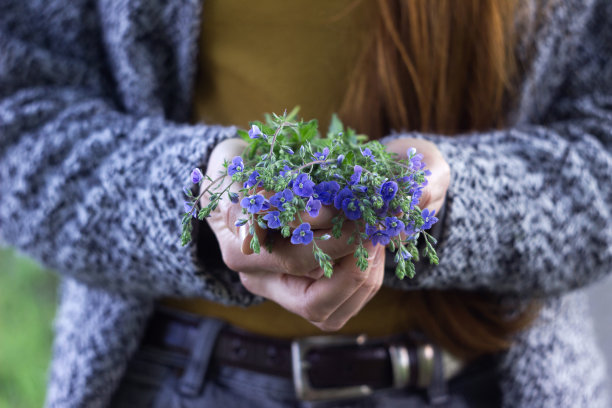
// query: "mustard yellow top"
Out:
[268,56]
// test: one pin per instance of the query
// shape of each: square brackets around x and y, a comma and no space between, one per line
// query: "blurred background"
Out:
[27,307]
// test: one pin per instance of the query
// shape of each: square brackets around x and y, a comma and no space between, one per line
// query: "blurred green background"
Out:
[27,307]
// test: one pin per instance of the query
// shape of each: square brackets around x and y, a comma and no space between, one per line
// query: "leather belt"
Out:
[322,367]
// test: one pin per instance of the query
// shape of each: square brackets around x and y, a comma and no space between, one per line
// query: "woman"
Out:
[93,148]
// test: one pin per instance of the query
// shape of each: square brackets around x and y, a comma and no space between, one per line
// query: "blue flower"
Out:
[255,132]
[351,208]
[356,176]
[326,191]
[403,253]
[410,230]
[281,198]
[303,186]
[196,176]
[322,155]
[233,197]
[272,219]
[253,180]
[340,159]
[237,166]
[414,159]
[377,236]
[313,207]
[429,218]
[388,190]
[302,234]
[394,226]
[241,222]
[344,194]
[253,203]
[188,209]
[284,172]
[367,153]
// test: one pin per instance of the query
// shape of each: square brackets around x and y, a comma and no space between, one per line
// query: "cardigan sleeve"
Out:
[528,210]
[91,164]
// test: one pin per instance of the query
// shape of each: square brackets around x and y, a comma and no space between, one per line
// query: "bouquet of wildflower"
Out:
[288,170]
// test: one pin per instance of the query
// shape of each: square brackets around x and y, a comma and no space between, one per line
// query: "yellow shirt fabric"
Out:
[268,56]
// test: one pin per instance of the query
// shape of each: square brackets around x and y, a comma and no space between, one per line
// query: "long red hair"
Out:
[442,66]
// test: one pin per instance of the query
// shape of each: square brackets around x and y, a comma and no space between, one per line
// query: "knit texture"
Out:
[94,147]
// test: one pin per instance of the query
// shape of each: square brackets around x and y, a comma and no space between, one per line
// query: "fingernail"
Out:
[243,232]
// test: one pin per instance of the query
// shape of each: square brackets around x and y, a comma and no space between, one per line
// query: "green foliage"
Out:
[27,307]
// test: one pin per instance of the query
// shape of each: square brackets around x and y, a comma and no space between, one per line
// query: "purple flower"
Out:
[303,186]
[253,180]
[429,218]
[233,197]
[367,153]
[241,222]
[351,208]
[388,190]
[313,207]
[322,155]
[394,226]
[281,198]
[302,234]
[265,206]
[237,166]
[382,210]
[410,229]
[356,174]
[253,203]
[284,171]
[188,209]
[272,219]
[326,191]
[377,236]
[255,132]
[414,159]
[344,194]
[196,176]
[340,159]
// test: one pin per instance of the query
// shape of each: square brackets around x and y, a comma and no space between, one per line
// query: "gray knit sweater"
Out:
[94,149]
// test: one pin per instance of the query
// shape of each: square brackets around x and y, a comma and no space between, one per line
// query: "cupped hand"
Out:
[286,258]
[326,303]
[435,191]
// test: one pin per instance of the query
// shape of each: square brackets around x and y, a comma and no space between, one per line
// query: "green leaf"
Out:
[335,126]
[244,135]
[255,244]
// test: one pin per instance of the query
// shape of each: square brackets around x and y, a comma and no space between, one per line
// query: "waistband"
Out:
[321,367]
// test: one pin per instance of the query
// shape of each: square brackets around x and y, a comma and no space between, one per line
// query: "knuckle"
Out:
[357,277]
[292,265]
[231,261]
[312,312]
[331,326]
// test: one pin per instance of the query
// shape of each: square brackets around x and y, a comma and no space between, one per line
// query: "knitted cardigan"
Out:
[95,145]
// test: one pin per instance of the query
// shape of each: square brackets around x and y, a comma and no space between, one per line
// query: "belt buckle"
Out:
[303,388]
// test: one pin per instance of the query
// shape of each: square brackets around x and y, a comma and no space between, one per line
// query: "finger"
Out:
[322,221]
[247,238]
[315,300]
[360,298]
[299,259]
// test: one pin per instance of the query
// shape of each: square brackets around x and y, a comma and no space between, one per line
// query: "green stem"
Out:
[221,177]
